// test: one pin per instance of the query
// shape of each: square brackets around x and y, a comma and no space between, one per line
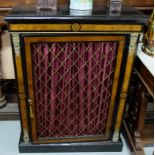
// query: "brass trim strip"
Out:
[93,33]
[68,27]
[2,9]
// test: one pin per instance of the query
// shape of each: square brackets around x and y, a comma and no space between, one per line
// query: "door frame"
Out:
[27,39]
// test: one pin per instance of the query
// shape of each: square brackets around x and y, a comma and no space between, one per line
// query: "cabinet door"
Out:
[72,84]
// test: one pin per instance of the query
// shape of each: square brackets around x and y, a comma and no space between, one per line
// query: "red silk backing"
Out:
[73,84]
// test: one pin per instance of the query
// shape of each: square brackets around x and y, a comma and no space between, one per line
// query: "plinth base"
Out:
[100,146]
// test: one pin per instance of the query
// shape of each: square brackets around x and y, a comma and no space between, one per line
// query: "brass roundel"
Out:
[76,27]
[123,95]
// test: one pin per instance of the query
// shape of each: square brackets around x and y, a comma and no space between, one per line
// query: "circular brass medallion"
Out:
[76,27]
[123,95]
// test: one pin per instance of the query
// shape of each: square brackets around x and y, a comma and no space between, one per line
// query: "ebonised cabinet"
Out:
[73,74]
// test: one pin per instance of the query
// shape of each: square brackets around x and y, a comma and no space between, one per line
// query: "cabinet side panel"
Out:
[20,83]
[124,89]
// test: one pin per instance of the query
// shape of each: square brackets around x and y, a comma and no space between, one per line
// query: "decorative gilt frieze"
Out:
[16,43]
[26,136]
[133,42]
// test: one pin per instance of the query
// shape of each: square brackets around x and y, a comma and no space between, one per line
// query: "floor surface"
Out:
[9,137]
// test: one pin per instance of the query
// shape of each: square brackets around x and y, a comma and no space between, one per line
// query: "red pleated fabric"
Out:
[72,87]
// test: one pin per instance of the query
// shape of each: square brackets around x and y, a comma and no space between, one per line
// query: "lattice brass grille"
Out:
[72,87]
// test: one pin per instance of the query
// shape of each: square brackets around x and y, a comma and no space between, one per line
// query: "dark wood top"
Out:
[28,14]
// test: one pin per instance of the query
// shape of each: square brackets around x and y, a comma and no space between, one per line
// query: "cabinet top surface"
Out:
[22,14]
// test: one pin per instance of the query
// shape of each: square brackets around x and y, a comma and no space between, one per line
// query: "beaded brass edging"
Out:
[133,41]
